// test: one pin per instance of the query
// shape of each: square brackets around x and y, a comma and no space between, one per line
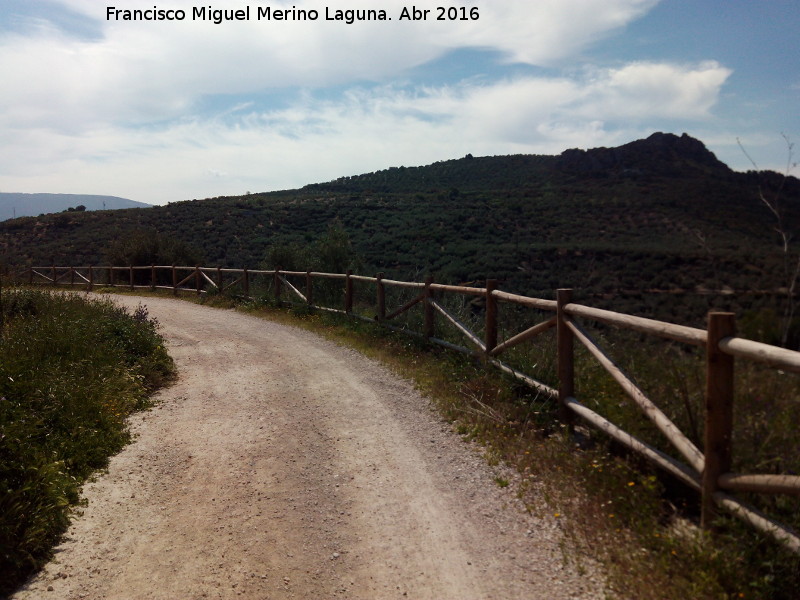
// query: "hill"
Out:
[649,227]
[14,205]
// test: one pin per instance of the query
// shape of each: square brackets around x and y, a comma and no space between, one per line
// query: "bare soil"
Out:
[281,465]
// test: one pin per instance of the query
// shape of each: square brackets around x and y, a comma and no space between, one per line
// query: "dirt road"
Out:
[283,466]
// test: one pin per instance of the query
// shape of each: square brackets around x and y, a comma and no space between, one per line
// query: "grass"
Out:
[71,370]
[614,508]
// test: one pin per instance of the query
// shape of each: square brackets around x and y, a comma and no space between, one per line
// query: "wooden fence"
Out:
[707,472]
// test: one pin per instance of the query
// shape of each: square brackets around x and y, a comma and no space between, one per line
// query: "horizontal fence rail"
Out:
[708,471]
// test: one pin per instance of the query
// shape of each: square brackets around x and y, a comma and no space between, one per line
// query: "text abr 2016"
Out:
[267,13]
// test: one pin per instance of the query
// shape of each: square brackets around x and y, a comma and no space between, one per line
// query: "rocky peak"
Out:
[661,153]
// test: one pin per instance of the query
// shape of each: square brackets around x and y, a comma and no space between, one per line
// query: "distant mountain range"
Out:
[31,205]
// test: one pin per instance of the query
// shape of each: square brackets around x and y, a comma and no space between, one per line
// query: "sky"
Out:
[167,110]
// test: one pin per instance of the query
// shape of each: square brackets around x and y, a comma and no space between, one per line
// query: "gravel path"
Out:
[284,466]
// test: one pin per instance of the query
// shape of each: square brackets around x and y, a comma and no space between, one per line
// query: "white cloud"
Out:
[370,127]
[545,32]
[121,114]
[658,89]
[147,71]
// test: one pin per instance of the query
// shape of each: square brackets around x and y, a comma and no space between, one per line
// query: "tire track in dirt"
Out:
[283,466]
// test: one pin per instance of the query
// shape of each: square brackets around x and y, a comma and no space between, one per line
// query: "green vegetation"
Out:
[71,371]
[148,247]
[638,522]
[657,227]
[331,252]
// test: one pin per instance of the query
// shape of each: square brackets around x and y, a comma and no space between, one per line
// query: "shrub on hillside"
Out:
[148,247]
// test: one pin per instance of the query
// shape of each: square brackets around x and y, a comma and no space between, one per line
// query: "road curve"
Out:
[281,465]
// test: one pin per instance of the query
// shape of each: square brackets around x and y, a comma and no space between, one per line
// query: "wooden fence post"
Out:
[309,289]
[246,278]
[381,291]
[91,279]
[566,357]
[719,411]
[152,278]
[174,281]
[111,276]
[131,276]
[491,316]
[54,275]
[348,292]
[220,286]
[71,277]
[429,311]
[197,278]
[30,275]
[276,284]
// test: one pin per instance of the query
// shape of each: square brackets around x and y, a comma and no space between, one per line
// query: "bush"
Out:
[149,247]
[71,371]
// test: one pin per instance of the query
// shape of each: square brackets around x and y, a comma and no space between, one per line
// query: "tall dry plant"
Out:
[791,256]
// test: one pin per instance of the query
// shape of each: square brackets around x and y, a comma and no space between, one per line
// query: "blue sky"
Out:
[162,111]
